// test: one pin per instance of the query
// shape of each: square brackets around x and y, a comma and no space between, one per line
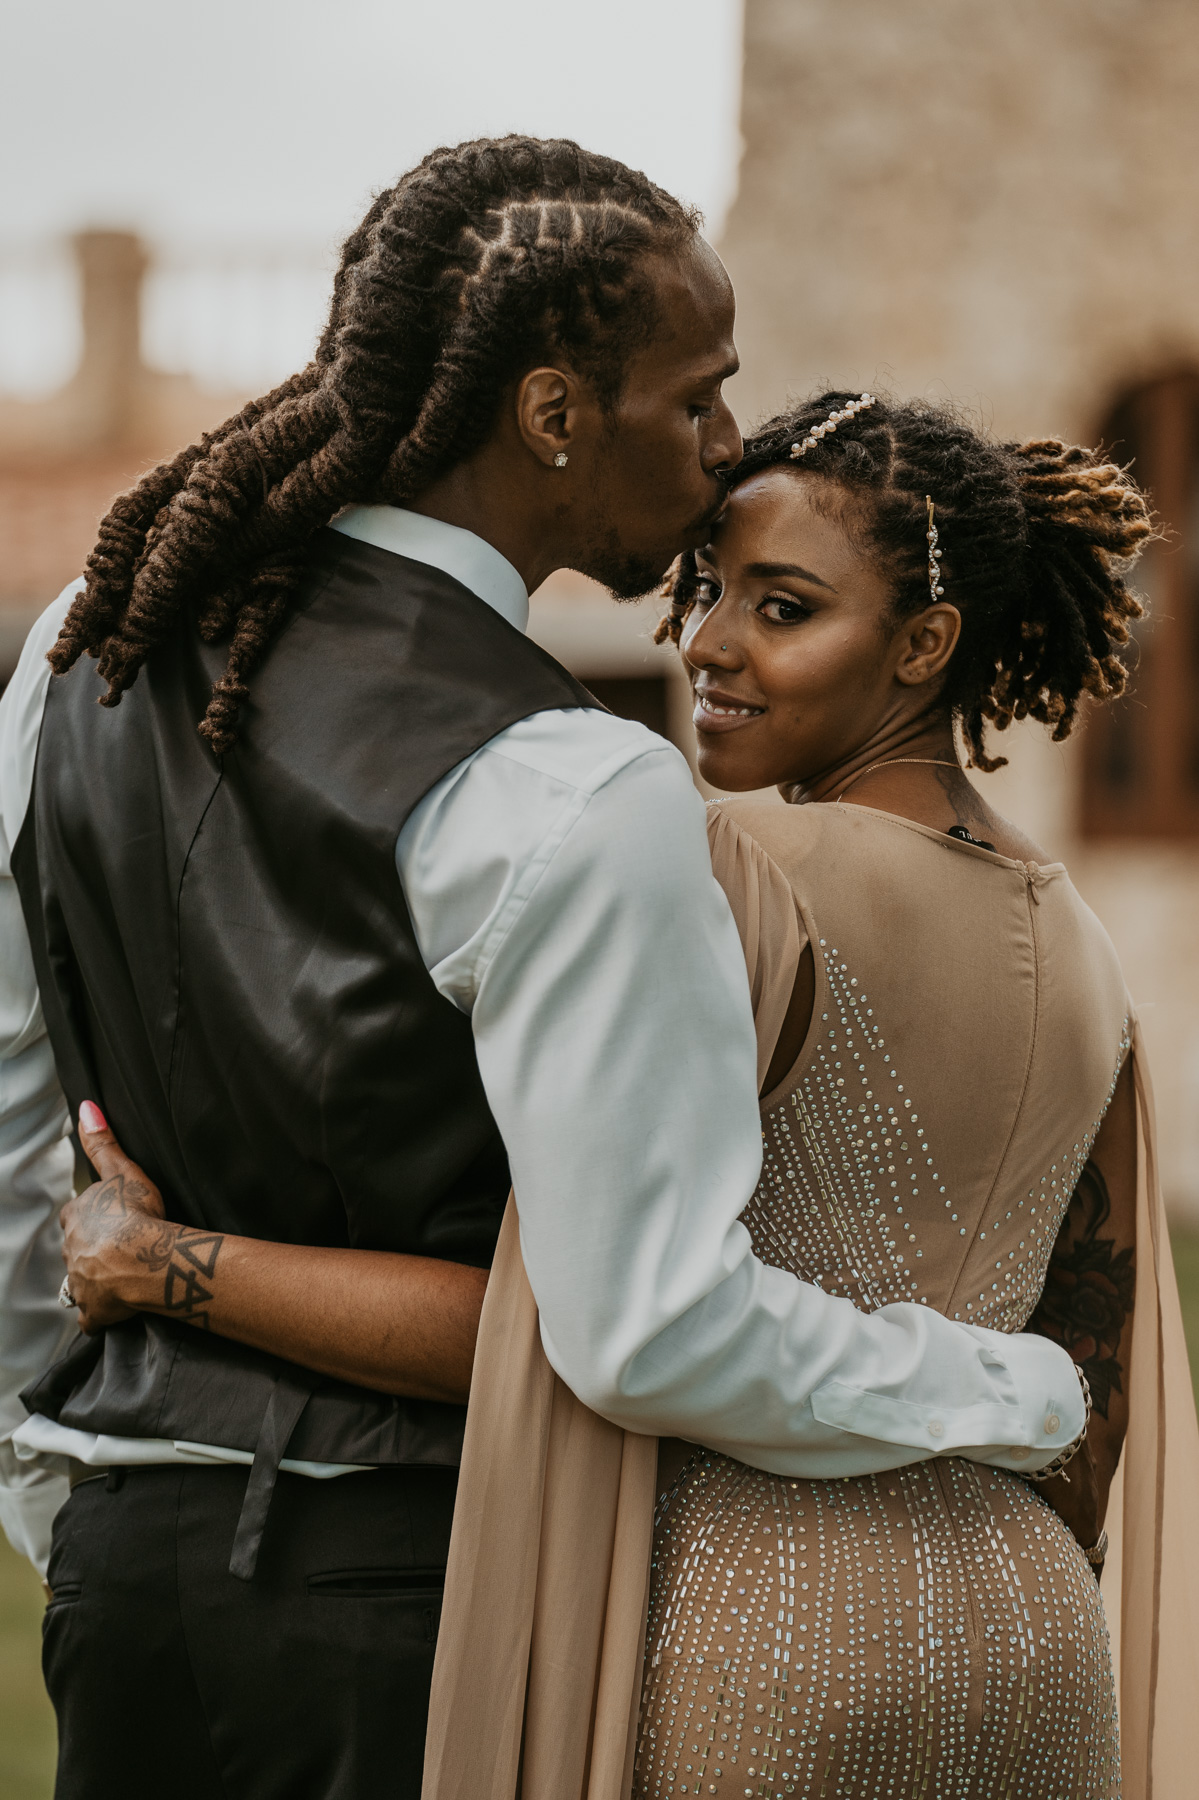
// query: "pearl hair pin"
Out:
[934,554]
[837,417]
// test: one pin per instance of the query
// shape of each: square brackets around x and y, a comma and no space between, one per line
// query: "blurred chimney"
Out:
[112,401]
[63,456]
[105,387]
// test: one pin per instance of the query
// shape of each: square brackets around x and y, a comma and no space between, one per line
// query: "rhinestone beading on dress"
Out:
[1006,1304]
[832,1207]
[932,1632]
[850,1179]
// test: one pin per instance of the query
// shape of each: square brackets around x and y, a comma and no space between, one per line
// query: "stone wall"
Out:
[997,203]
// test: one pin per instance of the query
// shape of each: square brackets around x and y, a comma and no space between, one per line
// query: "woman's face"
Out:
[794,663]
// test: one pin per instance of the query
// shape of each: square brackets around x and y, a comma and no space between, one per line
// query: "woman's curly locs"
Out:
[473,265]
[1036,537]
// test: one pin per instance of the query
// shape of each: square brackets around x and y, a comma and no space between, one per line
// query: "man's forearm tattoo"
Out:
[186,1259]
[1089,1291]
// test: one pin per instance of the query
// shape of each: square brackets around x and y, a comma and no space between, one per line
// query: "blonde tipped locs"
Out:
[1087,522]
[476,263]
[1037,541]
[678,593]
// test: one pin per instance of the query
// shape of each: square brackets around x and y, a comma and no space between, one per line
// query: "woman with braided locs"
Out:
[951,1083]
[955,1123]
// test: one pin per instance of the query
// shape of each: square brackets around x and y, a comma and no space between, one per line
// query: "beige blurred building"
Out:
[999,205]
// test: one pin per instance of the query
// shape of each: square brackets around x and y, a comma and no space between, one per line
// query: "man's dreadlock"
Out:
[475,265]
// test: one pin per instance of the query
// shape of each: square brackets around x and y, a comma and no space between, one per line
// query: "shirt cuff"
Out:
[1050,1409]
[30,1499]
[1022,1429]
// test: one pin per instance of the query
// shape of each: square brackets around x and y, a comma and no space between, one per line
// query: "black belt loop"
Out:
[288,1399]
[79,1472]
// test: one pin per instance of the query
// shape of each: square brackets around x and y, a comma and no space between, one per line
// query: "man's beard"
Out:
[625,574]
[626,577]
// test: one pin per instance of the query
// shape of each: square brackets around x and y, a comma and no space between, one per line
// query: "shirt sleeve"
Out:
[36,1160]
[576,918]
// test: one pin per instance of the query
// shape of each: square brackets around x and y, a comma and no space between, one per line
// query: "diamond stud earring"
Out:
[560,460]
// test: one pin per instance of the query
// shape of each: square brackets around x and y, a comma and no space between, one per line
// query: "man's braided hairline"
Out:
[477,263]
[1037,541]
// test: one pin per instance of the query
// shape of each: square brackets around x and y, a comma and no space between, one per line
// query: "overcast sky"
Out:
[266,124]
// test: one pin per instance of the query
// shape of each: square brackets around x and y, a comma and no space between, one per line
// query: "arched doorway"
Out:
[1141,766]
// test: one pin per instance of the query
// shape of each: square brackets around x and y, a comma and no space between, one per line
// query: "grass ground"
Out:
[1186,1264]
[26,1721]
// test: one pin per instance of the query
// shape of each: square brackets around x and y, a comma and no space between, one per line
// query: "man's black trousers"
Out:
[171,1677]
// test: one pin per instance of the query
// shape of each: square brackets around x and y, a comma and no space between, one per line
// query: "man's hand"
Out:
[114,1232]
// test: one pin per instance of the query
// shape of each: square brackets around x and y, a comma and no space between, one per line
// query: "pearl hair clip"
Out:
[934,555]
[837,417]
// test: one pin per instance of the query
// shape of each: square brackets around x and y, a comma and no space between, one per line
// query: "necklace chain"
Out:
[932,762]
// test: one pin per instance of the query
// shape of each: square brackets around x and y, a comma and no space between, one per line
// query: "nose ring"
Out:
[724,646]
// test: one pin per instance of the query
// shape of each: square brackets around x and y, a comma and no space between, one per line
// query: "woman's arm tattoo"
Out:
[1089,1291]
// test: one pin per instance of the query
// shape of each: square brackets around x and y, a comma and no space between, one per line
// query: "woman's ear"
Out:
[927,643]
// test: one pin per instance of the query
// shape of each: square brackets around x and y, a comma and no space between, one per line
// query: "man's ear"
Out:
[927,643]
[547,413]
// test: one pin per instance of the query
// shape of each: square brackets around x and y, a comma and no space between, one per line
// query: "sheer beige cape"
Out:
[538,1669]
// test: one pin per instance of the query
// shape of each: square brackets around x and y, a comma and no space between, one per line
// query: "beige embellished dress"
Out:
[936,1630]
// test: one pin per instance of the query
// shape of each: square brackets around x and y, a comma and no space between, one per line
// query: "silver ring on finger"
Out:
[65,1296]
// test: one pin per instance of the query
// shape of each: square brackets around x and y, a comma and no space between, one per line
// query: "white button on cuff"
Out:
[1020,1452]
[1052,1424]
[936,1429]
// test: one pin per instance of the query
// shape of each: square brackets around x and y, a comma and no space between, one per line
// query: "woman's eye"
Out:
[781,610]
[707,591]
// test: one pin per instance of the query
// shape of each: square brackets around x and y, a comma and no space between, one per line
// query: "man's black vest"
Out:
[227,966]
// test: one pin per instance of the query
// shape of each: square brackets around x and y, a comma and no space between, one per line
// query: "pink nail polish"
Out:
[91,1118]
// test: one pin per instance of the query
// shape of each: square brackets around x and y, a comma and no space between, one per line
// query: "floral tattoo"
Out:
[1089,1292]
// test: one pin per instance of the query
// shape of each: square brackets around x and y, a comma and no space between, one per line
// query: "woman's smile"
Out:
[718,710]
